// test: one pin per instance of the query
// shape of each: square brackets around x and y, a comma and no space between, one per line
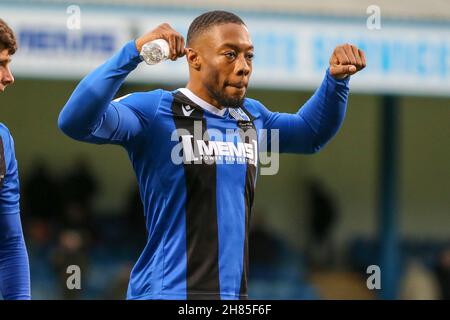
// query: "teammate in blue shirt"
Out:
[195,151]
[14,267]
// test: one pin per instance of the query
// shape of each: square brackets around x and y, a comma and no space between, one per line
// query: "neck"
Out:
[201,92]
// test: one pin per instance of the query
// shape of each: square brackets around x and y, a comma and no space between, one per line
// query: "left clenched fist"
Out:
[346,60]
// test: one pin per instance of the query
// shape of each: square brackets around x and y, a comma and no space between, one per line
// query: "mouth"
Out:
[239,85]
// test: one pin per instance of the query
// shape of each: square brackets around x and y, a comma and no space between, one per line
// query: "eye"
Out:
[230,54]
[250,56]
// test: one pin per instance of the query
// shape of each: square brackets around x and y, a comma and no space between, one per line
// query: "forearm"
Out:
[14,265]
[325,111]
[89,102]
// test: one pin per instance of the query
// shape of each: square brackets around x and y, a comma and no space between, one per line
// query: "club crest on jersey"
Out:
[187,110]
[239,114]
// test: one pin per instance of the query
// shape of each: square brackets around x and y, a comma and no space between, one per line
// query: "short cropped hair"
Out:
[208,20]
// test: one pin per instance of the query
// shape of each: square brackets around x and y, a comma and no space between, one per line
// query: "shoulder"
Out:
[255,108]
[7,145]
[137,99]
[143,104]
[5,135]
[4,130]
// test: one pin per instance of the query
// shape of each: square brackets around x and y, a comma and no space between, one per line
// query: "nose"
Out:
[243,68]
[8,77]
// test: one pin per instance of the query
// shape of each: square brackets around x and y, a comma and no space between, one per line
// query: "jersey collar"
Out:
[202,103]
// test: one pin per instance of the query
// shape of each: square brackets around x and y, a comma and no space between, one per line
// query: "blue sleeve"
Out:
[14,265]
[308,130]
[9,174]
[90,114]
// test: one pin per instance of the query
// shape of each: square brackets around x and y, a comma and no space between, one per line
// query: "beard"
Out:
[225,100]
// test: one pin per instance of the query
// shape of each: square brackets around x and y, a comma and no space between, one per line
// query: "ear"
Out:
[193,58]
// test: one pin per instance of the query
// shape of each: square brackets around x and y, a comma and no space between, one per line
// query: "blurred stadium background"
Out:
[378,194]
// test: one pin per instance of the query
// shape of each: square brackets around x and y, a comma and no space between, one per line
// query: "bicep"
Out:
[316,122]
[125,118]
[290,133]
[118,125]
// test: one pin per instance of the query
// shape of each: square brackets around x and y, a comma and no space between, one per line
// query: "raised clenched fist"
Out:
[346,60]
